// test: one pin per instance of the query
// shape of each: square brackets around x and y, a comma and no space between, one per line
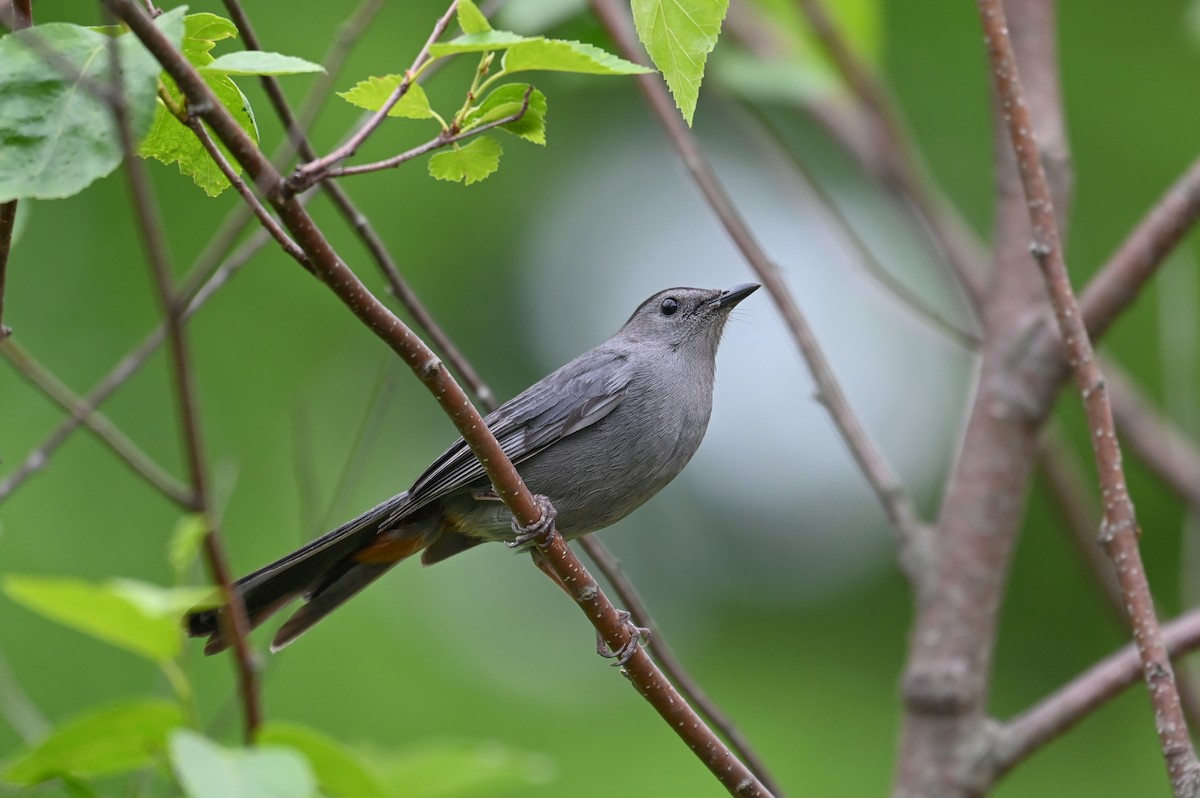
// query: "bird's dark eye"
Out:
[669,306]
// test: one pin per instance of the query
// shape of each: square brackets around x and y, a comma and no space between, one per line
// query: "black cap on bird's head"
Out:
[685,315]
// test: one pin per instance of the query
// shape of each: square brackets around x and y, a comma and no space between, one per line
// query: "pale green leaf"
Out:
[471,19]
[208,770]
[185,541]
[468,163]
[56,136]
[209,27]
[341,772]
[478,43]
[679,35]
[140,618]
[561,55]
[260,62]
[117,739]
[506,101]
[372,93]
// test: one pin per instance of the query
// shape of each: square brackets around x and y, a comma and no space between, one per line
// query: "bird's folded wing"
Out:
[571,399]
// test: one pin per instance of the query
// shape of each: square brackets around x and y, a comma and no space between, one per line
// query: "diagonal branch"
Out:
[338,277]
[105,430]
[910,531]
[1119,531]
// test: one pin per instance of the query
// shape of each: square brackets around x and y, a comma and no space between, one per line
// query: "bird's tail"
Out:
[326,572]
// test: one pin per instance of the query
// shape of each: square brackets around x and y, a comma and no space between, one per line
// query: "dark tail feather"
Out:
[329,598]
[305,571]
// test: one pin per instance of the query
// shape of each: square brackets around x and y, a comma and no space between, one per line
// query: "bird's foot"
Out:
[538,534]
[637,636]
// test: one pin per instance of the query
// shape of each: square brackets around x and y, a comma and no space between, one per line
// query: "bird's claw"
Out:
[637,636]
[538,534]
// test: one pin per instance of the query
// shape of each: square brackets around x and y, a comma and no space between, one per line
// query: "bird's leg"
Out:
[539,533]
[637,635]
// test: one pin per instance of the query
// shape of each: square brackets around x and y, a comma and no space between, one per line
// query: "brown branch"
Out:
[311,172]
[454,402]
[1119,531]
[675,670]
[107,432]
[906,524]
[1074,498]
[154,242]
[1058,712]
[1160,444]
[438,141]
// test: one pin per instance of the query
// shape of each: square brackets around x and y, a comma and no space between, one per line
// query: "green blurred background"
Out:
[767,563]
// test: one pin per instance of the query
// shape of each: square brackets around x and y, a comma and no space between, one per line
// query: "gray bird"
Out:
[598,437]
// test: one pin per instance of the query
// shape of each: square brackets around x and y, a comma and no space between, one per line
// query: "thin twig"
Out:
[313,171]
[1161,445]
[1119,532]
[429,370]
[1075,500]
[107,432]
[438,141]
[260,212]
[154,241]
[911,533]
[666,659]
[1058,712]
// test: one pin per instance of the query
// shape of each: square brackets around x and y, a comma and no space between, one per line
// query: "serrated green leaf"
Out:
[447,770]
[208,770]
[185,541]
[209,27]
[56,137]
[116,739]
[471,19]
[140,618]
[561,55]
[478,43]
[468,163]
[679,35]
[341,772]
[261,62]
[372,93]
[506,101]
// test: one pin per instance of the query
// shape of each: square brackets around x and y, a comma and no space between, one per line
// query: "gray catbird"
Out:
[598,437]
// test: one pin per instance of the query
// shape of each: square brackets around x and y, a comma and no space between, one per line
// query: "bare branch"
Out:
[1120,531]
[105,430]
[311,172]
[910,531]
[1058,712]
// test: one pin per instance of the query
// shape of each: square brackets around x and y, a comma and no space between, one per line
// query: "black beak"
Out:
[729,298]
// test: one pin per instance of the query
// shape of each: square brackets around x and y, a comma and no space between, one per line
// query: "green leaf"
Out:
[185,541]
[116,739]
[506,101]
[341,772]
[561,55]
[450,770]
[138,617]
[372,93]
[469,163]
[56,137]
[471,19]
[169,140]
[260,62]
[679,35]
[479,43]
[208,770]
